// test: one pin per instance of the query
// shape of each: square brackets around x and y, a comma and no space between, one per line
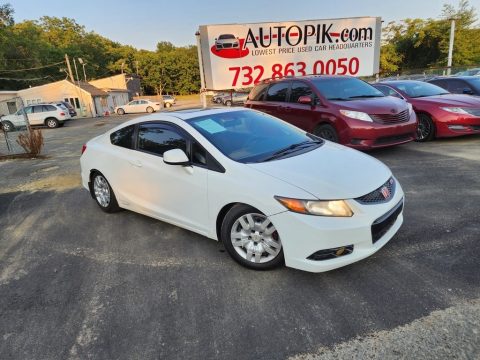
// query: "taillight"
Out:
[62,114]
[84,147]
[157,104]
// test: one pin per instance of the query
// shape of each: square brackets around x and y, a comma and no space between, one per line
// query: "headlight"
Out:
[356,115]
[455,110]
[410,108]
[338,208]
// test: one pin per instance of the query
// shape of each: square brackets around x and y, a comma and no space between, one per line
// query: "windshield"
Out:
[347,88]
[226,36]
[417,89]
[250,136]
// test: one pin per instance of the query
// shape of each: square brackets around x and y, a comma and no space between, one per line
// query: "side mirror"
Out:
[175,157]
[305,100]
[467,91]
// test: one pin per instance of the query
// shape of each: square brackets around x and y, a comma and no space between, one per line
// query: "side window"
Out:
[278,92]
[299,89]
[442,83]
[123,137]
[49,108]
[199,154]
[456,86]
[158,138]
[28,110]
[258,92]
[38,109]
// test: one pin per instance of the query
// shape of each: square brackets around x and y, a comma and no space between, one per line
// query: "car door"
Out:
[36,117]
[131,107]
[174,193]
[301,115]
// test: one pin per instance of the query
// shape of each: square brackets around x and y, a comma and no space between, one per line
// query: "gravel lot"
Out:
[78,283]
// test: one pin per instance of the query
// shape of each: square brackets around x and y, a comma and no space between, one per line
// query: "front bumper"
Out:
[363,135]
[449,125]
[304,235]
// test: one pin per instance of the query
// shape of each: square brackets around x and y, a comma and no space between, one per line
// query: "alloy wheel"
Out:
[101,190]
[424,128]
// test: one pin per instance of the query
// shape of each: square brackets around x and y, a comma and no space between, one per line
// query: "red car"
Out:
[440,113]
[342,109]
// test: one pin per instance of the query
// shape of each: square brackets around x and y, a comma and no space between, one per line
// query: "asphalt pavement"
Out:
[76,283]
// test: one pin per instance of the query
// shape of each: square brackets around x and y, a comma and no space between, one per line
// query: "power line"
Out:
[34,68]
[27,79]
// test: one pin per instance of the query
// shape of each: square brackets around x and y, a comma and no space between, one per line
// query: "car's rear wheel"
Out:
[327,132]
[425,128]
[228,103]
[7,126]
[120,111]
[150,110]
[103,194]
[52,123]
[251,239]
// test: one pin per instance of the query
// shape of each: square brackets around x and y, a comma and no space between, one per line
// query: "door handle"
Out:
[136,163]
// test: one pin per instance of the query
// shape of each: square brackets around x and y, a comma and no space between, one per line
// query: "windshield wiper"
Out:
[338,99]
[291,148]
[365,96]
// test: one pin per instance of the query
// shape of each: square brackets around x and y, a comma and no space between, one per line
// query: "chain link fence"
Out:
[429,73]
[14,122]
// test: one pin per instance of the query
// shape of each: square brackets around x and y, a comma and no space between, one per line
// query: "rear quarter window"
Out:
[123,137]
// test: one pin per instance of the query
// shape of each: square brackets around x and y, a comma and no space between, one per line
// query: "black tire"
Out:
[7,126]
[121,111]
[232,219]
[425,128]
[228,103]
[112,205]
[327,132]
[52,123]
[167,105]
[150,110]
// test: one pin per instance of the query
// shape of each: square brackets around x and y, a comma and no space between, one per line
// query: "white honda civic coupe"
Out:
[269,191]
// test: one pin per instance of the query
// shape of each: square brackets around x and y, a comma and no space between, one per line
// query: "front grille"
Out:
[227,45]
[393,139]
[381,195]
[333,253]
[384,223]
[388,119]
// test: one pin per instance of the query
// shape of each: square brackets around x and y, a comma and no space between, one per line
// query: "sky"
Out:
[143,23]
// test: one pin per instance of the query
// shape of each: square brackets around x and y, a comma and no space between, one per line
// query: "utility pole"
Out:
[203,95]
[450,47]
[123,64]
[76,71]
[69,69]
[136,65]
[83,63]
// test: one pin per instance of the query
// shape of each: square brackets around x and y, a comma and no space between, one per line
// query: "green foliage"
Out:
[28,47]
[419,43]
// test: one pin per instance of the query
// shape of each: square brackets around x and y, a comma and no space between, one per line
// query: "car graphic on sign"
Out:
[227,41]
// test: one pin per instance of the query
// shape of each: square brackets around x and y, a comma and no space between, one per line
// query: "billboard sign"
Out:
[240,55]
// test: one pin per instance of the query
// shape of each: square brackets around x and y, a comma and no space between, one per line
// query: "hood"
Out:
[378,105]
[453,100]
[329,172]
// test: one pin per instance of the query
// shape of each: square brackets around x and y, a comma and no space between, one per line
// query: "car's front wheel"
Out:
[228,103]
[327,132]
[103,193]
[7,126]
[150,110]
[251,239]
[120,111]
[425,128]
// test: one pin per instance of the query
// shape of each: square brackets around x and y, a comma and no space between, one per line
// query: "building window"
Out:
[77,103]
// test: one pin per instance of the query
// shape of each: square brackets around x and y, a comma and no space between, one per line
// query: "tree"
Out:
[6,15]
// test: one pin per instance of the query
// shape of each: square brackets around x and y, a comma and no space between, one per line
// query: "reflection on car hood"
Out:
[453,100]
[329,172]
[376,105]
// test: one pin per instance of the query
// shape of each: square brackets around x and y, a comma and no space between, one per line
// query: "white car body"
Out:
[139,106]
[192,197]
[226,41]
[38,114]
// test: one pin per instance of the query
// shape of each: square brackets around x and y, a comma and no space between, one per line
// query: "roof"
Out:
[114,90]
[92,90]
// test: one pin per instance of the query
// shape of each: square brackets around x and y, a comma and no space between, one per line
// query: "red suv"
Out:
[342,109]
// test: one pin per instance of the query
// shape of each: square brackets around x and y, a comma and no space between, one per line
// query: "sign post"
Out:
[238,56]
